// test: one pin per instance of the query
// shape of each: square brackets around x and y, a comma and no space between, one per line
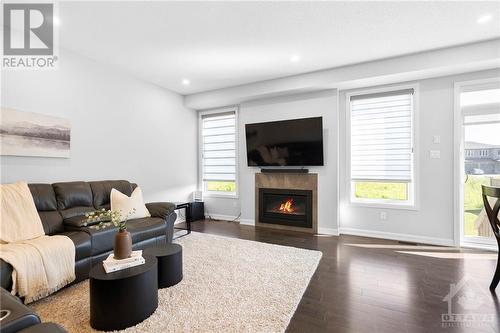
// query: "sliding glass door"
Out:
[480,155]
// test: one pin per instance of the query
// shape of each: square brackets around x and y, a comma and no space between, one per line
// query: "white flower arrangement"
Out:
[108,218]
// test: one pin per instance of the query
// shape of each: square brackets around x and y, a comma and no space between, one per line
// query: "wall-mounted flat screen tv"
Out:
[296,142]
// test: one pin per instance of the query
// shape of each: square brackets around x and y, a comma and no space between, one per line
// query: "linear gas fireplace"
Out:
[289,207]
[287,201]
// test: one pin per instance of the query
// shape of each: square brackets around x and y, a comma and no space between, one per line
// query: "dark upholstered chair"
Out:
[492,212]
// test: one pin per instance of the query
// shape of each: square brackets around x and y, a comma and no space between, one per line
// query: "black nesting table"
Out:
[125,298]
[169,264]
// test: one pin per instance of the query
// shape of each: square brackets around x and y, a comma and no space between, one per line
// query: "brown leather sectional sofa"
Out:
[62,208]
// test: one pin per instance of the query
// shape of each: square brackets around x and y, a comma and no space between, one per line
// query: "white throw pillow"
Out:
[126,205]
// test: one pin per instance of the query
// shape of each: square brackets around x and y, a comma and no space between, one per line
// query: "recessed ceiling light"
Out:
[484,19]
[186,82]
[56,21]
[295,58]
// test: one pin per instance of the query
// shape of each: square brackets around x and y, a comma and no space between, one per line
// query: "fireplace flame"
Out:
[286,207]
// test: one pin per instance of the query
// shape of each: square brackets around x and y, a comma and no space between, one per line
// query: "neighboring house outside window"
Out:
[481,158]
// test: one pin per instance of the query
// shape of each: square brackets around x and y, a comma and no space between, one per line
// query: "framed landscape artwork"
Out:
[33,134]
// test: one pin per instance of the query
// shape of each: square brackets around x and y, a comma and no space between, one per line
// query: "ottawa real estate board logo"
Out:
[29,36]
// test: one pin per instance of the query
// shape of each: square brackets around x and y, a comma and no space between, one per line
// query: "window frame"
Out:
[459,159]
[201,184]
[413,188]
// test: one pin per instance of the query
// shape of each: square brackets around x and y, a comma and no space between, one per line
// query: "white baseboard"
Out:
[328,231]
[222,217]
[488,247]
[247,222]
[396,236]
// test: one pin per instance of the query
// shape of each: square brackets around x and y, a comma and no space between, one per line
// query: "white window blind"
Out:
[381,136]
[219,146]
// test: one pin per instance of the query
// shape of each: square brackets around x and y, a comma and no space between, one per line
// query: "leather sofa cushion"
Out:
[82,243]
[73,194]
[46,205]
[146,228]
[44,197]
[76,211]
[102,239]
[101,191]
[78,222]
[52,222]
[140,230]
[82,269]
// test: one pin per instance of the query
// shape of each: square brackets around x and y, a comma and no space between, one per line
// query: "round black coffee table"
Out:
[169,263]
[125,298]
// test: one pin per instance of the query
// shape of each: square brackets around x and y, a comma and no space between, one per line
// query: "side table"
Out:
[169,264]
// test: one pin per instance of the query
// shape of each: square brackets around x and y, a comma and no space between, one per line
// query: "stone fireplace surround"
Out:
[288,181]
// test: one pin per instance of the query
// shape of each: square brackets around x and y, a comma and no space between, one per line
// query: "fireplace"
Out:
[285,207]
[287,201]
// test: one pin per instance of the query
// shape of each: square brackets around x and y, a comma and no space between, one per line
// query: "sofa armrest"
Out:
[44,328]
[160,209]
[165,211]
[170,226]
[19,316]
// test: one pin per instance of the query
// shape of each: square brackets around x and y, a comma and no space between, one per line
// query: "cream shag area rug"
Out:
[229,285]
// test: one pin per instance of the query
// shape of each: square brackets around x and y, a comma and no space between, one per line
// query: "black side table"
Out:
[194,211]
[125,298]
[187,207]
[169,264]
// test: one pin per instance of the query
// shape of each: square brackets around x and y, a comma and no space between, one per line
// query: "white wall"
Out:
[433,221]
[122,128]
[221,208]
[298,106]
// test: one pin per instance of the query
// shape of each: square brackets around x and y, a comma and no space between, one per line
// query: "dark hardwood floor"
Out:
[372,285]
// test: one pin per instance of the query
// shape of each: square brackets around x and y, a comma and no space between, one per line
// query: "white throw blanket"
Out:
[41,264]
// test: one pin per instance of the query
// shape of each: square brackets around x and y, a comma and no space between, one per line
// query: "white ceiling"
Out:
[222,44]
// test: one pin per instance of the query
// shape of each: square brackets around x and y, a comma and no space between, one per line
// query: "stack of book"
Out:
[112,265]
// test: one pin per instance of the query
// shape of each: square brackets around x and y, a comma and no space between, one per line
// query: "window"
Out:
[218,152]
[477,125]
[381,147]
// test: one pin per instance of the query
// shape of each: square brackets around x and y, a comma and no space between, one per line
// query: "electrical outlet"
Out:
[436,139]
[383,216]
